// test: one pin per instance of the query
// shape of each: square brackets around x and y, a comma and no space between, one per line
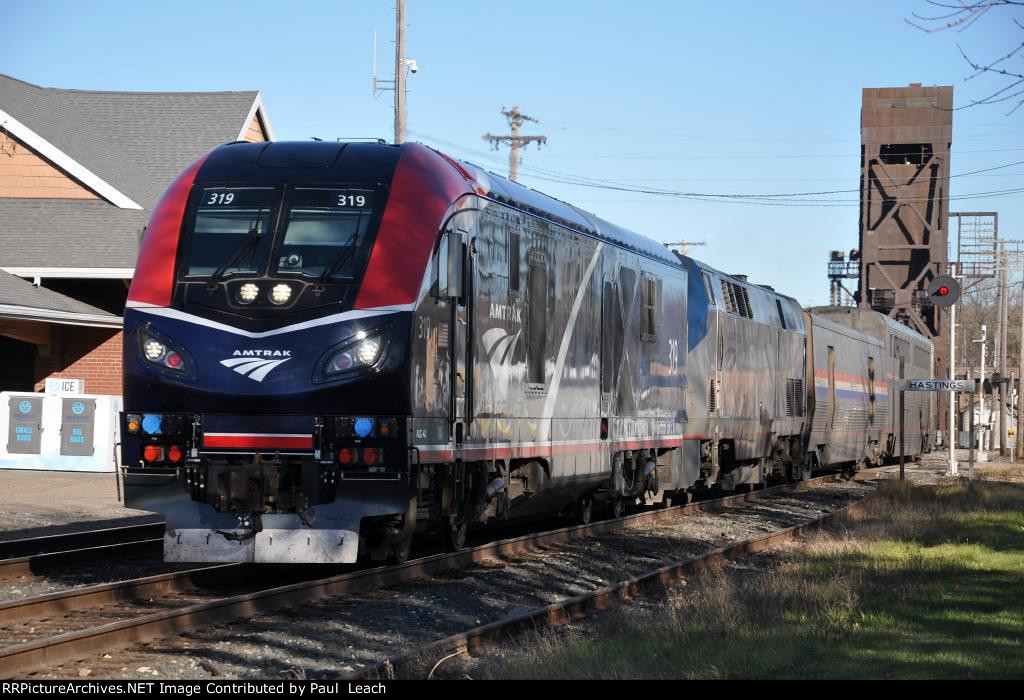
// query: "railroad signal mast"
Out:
[515,140]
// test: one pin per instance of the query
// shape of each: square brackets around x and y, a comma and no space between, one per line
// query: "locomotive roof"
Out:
[891,324]
[738,280]
[503,189]
[309,159]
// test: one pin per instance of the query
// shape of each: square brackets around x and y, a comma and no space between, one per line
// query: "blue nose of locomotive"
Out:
[173,360]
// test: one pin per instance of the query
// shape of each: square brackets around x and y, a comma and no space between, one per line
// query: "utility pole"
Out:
[514,140]
[1004,297]
[954,397]
[981,386]
[402,64]
[1020,382]
[399,71]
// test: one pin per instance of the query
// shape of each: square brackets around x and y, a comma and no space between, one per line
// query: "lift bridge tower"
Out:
[906,135]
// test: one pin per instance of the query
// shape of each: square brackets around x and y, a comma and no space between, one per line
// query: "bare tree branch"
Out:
[963,14]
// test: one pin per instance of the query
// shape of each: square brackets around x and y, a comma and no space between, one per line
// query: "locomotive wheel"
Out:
[584,510]
[455,533]
[616,507]
[400,551]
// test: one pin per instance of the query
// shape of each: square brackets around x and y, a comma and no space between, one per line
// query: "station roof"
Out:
[22,300]
[124,146]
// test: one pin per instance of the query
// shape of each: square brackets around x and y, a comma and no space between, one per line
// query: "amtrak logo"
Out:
[500,347]
[256,364]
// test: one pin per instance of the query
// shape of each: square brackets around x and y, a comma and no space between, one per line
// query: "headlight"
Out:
[280,294]
[364,350]
[154,350]
[248,292]
[368,350]
[162,353]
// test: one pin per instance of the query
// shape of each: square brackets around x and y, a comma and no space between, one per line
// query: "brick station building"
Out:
[80,171]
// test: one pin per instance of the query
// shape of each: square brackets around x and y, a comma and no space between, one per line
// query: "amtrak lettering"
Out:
[248,364]
[262,353]
[507,312]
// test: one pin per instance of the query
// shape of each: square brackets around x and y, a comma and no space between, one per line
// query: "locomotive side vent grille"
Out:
[794,398]
[737,299]
[730,301]
[712,396]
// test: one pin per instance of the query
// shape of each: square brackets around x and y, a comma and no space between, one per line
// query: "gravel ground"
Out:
[250,580]
[336,636]
[934,468]
[40,503]
[81,574]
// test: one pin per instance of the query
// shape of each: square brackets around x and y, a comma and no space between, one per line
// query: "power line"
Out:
[761,199]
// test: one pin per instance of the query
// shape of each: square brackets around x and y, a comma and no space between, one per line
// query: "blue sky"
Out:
[739,97]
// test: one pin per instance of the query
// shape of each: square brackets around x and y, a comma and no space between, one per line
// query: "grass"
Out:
[923,582]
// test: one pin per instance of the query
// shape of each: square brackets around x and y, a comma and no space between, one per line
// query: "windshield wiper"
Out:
[342,255]
[248,245]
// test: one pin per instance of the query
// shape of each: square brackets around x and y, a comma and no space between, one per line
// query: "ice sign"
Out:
[60,385]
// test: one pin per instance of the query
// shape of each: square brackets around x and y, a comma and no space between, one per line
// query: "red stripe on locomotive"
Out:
[422,189]
[153,282]
[258,441]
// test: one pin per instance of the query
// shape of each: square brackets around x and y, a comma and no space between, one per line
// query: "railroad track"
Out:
[185,610]
[74,541]
[579,607]
[36,555]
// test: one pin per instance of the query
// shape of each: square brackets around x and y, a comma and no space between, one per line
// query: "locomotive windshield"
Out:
[321,234]
[231,232]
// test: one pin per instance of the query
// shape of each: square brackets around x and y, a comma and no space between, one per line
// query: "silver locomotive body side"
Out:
[746,368]
[558,377]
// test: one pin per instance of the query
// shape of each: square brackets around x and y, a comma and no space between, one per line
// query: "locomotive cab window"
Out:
[231,231]
[325,232]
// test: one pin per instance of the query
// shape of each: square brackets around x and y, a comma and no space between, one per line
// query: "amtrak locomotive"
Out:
[330,347]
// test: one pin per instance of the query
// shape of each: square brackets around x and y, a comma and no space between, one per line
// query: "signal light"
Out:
[134,424]
[370,455]
[364,426]
[152,453]
[388,427]
[175,453]
[173,360]
[345,456]
[943,291]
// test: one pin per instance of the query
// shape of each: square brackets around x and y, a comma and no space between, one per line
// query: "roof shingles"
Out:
[137,142]
[16,292]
